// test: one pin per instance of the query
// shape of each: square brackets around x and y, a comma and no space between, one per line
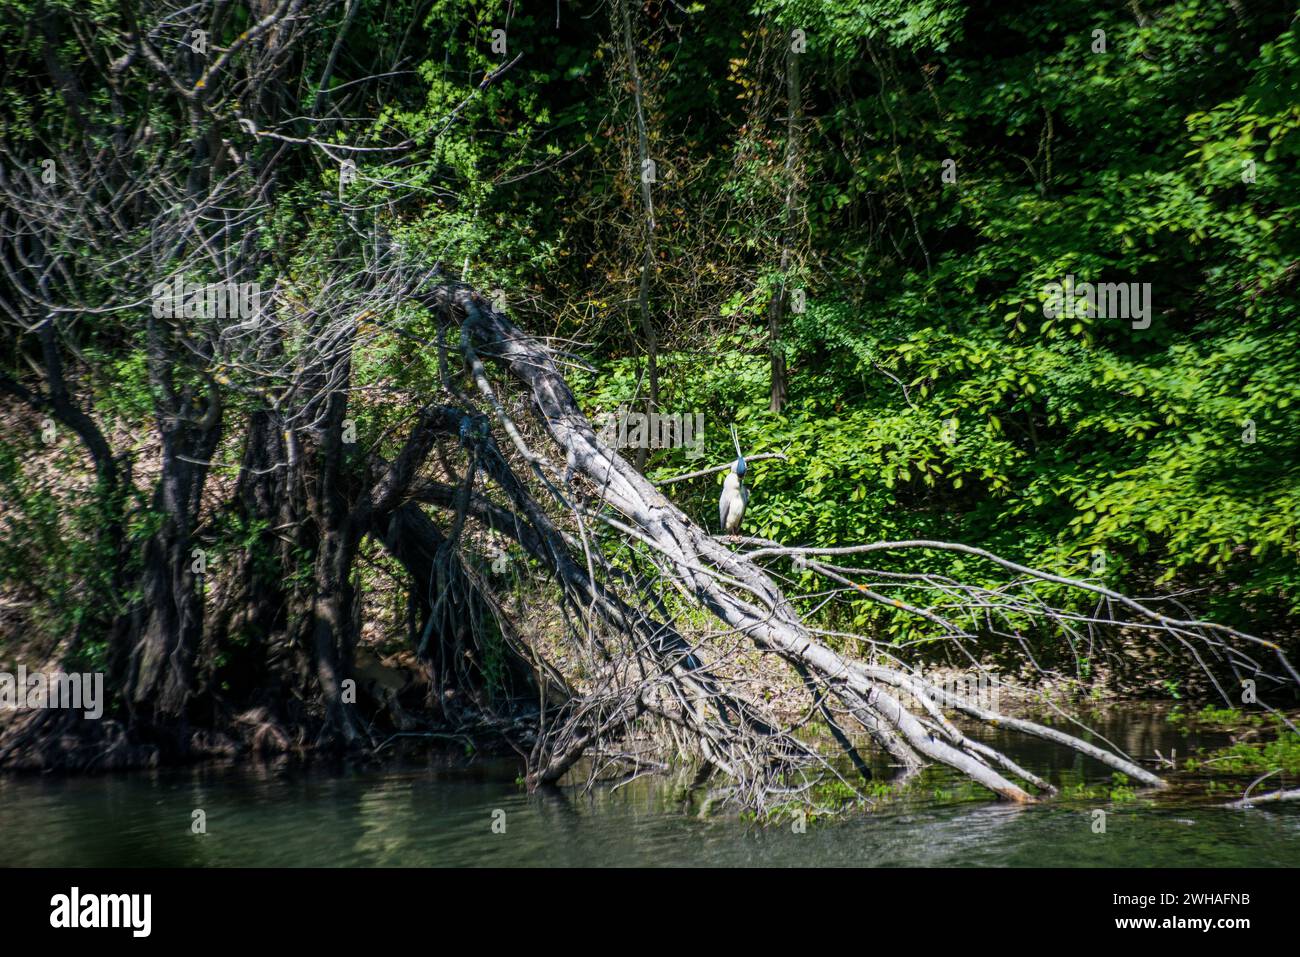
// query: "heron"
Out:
[731,506]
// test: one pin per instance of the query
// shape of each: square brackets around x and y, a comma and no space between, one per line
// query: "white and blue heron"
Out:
[731,506]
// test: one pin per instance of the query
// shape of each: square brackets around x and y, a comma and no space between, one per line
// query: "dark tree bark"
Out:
[249,624]
[154,655]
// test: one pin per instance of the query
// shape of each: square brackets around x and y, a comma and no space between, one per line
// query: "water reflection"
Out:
[440,813]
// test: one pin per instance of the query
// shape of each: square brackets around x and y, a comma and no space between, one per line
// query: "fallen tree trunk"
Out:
[701,567]
[642,676]
[1269,798]
[596,488]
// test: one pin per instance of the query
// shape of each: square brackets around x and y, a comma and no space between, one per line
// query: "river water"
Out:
[441,812]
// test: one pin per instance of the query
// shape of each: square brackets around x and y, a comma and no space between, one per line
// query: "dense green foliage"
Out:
[1162,456]
[930,395]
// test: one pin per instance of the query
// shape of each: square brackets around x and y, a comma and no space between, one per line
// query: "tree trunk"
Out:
[155,652]
[739,593]
[649,338]
[253,608]
[777,309]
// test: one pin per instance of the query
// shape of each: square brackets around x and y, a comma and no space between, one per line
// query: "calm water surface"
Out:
[440,814]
